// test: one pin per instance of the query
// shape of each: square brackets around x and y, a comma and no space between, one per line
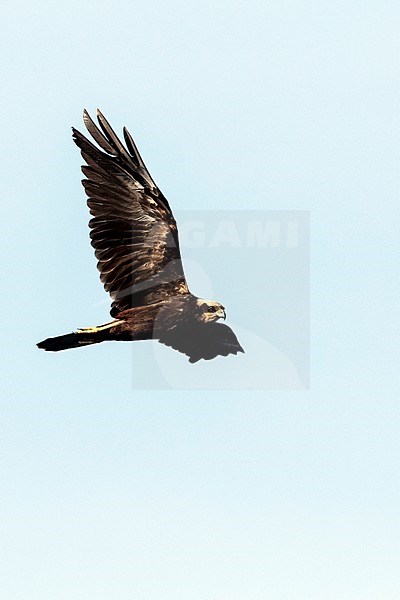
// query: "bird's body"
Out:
[135,238]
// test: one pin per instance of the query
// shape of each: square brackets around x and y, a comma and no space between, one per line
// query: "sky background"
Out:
[114,493]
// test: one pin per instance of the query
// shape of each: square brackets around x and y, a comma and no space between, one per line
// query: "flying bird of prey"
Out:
[135,238]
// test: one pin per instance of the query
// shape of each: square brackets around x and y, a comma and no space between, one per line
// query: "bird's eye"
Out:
[211,309]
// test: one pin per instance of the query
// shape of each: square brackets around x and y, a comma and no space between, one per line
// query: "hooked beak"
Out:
[221,314]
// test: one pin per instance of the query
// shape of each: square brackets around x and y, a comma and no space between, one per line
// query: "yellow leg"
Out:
[98,328]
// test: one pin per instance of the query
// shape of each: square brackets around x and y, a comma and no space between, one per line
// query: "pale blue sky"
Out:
[110,493]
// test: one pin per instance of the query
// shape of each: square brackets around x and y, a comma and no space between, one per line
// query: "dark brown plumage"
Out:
[135,238]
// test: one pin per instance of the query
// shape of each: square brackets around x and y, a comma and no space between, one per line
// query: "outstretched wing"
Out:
[199,341]
[133,230]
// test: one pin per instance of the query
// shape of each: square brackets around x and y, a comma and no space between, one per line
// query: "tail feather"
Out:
[70,340]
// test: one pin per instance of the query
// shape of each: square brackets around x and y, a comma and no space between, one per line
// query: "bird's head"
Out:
[209,311]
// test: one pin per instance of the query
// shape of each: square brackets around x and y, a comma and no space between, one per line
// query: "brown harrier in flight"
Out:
[135,239]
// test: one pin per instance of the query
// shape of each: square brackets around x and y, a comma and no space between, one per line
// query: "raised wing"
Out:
[199,341]
[133,230]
